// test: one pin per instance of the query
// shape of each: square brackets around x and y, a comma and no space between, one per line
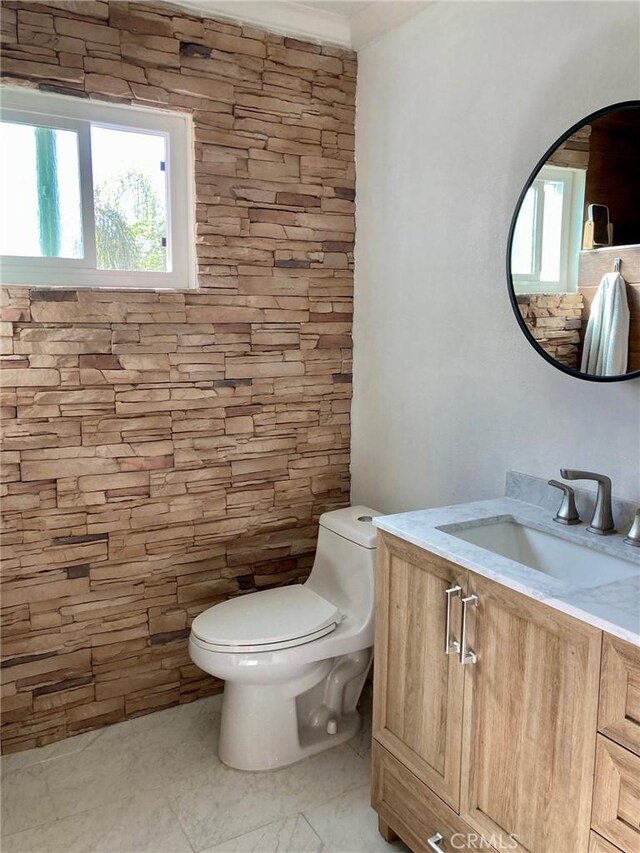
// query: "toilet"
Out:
[295,658]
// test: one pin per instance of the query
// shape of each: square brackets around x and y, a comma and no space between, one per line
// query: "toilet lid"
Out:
[273,616]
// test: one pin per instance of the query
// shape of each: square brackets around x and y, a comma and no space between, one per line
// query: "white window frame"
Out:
[59,111]
[571,237]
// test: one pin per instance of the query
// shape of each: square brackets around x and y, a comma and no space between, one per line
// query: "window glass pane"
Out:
[551,231]
[40,208]
[130,199]
[524,237]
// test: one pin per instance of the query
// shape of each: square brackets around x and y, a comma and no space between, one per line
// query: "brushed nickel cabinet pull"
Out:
[449,644]
[466,655]
[433,843]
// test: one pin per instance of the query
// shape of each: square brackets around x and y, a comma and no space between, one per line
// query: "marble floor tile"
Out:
[131,757]
[290,835]
[219,803]
[26,801]
[29,757]
[139,824]
[179,715]
[155,785]
[348,824]
[362,741]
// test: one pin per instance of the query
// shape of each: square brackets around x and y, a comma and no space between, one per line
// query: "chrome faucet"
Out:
[602,520]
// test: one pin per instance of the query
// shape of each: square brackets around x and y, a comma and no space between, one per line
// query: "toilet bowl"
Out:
[294,659]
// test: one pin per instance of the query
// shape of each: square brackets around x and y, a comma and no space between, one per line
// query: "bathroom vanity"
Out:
[506,697]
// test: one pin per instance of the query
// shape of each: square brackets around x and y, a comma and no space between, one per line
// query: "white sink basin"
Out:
[575,564]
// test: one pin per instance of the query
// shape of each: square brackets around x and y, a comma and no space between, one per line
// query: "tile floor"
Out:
[155,785]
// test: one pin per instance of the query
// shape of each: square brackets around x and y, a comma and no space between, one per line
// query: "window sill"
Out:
[149,284]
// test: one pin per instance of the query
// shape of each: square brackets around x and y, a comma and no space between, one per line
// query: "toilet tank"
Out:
[344,565]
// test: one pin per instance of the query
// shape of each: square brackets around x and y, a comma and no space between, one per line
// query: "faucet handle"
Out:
[633,536]
[567,513]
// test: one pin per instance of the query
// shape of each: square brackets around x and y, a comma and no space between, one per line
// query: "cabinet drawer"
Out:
[599,845]
[415,813]
[616,796]
[619,715]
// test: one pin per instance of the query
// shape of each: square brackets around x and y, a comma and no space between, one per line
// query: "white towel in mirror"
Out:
[606,342]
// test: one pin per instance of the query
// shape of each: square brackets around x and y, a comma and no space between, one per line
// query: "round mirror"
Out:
[573,259]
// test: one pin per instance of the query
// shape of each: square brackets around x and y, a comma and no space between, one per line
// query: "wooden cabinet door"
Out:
[530,714]
[619,714]
[418,687]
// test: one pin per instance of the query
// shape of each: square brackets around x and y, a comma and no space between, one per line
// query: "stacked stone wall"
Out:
[163,451]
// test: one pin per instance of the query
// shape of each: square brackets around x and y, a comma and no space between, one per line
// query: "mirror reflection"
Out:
[575,248]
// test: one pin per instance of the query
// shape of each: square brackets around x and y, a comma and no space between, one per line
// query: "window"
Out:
[547,236]
[93,194]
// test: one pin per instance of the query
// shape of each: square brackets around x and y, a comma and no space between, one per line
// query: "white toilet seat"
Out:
[264,621]
[264,647]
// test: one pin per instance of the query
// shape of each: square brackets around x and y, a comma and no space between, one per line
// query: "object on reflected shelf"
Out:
[598,230]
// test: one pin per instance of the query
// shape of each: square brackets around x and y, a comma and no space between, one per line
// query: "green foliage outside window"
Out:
[130,225]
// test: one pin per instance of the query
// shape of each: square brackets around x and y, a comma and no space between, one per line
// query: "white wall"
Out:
[454,109]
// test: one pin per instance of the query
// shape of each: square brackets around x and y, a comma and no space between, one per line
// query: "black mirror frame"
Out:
[570,371]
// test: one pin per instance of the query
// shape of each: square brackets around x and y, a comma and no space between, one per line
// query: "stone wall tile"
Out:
[164,451]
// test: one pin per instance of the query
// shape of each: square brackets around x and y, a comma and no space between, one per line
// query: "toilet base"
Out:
[267,726]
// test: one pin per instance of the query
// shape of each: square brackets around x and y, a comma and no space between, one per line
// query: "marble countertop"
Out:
[613,607]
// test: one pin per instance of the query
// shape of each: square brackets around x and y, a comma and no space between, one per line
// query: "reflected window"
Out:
[547,234]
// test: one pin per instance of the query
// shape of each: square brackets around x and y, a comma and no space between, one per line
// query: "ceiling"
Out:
[338,6]
[347,23]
